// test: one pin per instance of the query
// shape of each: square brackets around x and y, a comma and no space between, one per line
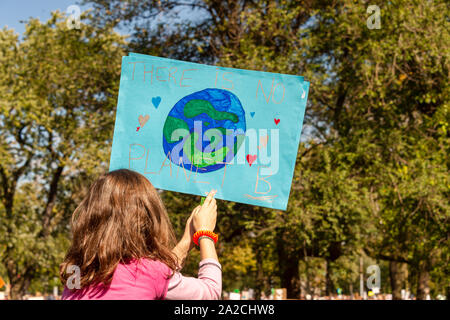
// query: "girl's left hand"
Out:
[189,229]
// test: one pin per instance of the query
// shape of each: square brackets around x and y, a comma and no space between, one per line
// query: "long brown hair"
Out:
[121,218]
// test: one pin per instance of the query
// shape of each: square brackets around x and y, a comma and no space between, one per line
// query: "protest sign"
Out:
[191,128]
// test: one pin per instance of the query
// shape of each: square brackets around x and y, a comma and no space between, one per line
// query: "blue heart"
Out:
[156,101]
[252,114]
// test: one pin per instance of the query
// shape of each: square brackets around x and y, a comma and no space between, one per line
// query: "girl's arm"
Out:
[202,218]
[181,251]
[207,249]
[208,285]
[185,245]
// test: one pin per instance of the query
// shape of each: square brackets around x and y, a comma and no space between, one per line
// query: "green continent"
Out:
[196,106]
[173,124]
[224,132]
[202,159]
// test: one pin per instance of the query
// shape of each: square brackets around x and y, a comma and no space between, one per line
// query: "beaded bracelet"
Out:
[204,233]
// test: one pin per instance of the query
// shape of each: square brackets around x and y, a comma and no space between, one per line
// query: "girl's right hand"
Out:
[205,217]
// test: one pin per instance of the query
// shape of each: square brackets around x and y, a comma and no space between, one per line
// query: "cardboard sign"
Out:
[191,128]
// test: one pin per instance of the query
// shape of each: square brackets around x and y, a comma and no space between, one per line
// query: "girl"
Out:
[124,245]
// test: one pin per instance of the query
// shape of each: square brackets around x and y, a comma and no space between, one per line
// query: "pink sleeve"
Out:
[208,285]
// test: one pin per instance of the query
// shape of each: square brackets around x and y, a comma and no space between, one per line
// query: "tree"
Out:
[393,84]
[58,91]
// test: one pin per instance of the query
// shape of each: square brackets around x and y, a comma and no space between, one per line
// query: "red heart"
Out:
[277,121]
[251,159]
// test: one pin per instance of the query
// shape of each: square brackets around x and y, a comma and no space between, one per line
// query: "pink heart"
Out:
[251,159]
[143,120]
[277,121]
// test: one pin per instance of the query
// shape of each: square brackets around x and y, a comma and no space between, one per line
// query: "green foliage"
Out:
[57,97]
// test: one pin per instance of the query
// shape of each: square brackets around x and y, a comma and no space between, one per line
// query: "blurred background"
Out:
[368,214]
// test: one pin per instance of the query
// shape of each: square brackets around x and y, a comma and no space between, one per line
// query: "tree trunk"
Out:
[19,287]
[259,274]
[19,282]
[51,200]
[308,281]
[290,278]
[329,285]
[423,288]
[334,252]
[397,274]
[288,263]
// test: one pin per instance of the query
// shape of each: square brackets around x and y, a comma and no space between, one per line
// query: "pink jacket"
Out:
[148,280]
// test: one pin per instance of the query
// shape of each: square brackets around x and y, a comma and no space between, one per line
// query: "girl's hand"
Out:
[186,244]
[205,217]
[189,229]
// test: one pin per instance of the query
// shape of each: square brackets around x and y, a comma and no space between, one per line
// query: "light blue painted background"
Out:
[135,98]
